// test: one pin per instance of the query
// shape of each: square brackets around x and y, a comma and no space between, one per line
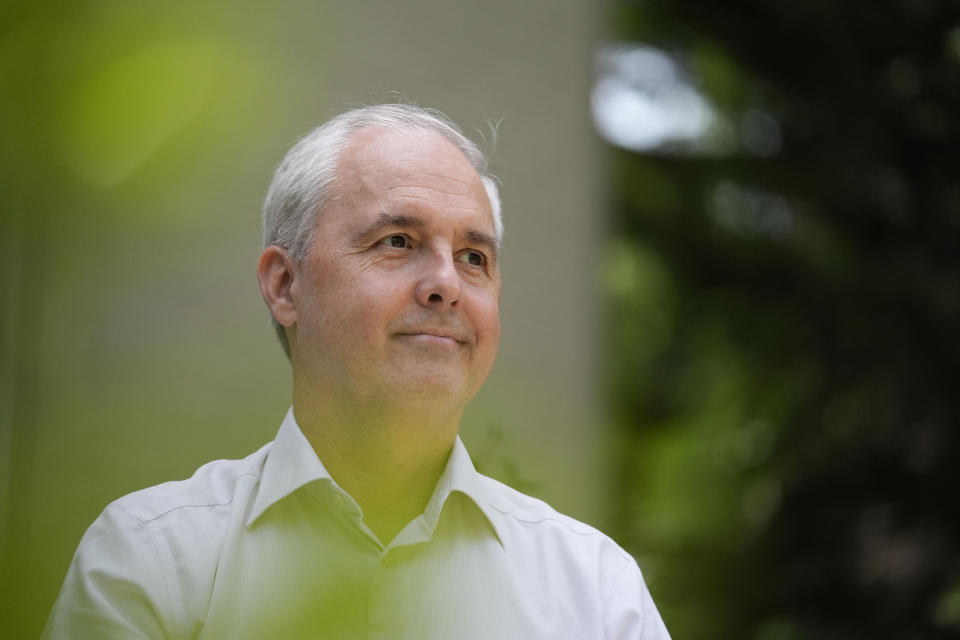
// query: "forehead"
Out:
[416,165]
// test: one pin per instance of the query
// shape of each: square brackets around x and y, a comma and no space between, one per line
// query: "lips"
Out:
[428,332]
[435,334]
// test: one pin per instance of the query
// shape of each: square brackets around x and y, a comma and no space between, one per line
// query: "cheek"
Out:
[487,318]
[364,307]
[488,337]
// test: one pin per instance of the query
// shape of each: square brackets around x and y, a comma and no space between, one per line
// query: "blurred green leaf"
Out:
[125,112]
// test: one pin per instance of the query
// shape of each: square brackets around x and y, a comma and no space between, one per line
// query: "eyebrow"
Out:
[395,221]
[385,221]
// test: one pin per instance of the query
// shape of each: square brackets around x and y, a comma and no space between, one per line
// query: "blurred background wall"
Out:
[731,277]
[139,141]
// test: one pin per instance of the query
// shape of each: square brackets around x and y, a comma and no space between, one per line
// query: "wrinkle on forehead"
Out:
[470,205]
[446,177]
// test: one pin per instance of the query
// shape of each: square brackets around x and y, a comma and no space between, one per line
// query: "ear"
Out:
[277,275]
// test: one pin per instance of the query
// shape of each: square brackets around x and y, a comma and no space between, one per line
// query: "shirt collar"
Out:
[460,475]
[292,463]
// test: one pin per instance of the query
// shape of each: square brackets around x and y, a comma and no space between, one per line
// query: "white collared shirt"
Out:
[271,547]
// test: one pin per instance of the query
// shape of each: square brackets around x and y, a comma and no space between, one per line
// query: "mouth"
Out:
[432,337]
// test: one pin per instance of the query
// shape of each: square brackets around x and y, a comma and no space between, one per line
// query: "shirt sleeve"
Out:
[629,612]
[116,586]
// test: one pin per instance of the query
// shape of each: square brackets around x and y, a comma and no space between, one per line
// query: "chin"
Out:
[433,388]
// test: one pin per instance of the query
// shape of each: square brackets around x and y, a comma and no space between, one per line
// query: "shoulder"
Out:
[153,554]
[529,510]
[537,522]
[215,484]
[594,572]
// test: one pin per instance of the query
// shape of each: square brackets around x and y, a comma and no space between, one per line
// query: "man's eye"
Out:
[396,240]
[474,258]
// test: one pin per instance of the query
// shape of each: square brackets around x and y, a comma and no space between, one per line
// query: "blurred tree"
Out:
[784,320]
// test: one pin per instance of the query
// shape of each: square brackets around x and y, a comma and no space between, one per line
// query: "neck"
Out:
[388,458]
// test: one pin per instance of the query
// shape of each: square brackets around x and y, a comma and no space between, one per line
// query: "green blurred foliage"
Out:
[783,343]
[134,158]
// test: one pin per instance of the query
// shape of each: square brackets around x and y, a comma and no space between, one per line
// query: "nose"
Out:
[439,281]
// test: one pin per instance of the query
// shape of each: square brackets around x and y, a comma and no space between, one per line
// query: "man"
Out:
[365,516]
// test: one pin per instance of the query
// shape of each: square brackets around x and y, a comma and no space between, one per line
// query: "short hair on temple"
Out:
[303,182]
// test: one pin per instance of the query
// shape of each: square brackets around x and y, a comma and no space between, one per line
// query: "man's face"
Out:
[397,296]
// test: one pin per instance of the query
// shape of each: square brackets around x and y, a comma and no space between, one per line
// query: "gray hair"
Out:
[303,183]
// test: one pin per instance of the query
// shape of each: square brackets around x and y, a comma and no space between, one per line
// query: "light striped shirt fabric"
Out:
[271,547]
